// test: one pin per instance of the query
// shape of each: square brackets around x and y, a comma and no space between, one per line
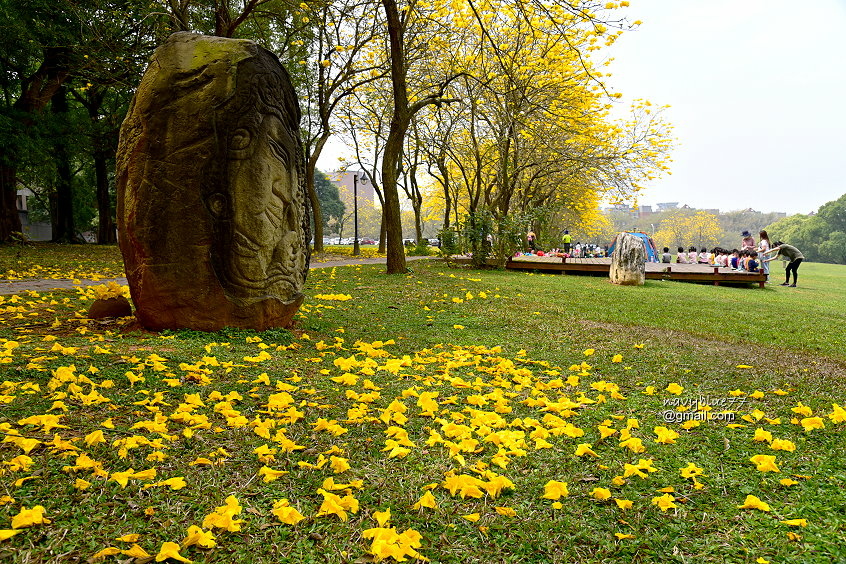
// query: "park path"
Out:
[16,287]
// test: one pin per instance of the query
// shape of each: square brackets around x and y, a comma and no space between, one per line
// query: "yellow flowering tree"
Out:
[682,228]
[505,108]
[533,129]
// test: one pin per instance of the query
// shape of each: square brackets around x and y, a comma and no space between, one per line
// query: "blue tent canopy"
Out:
[648,245]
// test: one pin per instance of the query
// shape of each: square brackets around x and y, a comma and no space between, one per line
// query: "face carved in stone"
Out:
[212,209]
[259,235]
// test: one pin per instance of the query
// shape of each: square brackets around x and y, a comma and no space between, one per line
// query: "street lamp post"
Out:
[356,249]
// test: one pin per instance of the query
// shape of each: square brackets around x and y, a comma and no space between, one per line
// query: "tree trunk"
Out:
[316,212]
[393,146]
[418,227]
[393,220]
[10,219]
[223,20]
[63,227]
[36,92]
[54,224]
[106,234]
[382,232]
[416,204]
[441,163]
[311,190]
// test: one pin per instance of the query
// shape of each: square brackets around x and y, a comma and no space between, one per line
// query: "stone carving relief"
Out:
[212,212]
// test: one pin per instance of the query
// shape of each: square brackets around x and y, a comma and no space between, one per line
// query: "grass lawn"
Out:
[456,415]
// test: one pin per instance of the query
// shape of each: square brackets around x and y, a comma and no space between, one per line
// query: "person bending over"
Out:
[791,254]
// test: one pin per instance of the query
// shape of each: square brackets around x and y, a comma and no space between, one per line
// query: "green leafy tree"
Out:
[331,206]
[834,214]
[819,236]
[476,229]
[62,59]
[35,40]
[833,249]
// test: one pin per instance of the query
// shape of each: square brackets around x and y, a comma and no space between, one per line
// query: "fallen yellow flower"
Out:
[555,490]
[386,543]
[427,500]
[664,502]
[8,533]
[170,550]
[382,517]
[796,522]
[584,449]
[764,463]
[136,552]
[623,503]
[472,517]
[285,513]
[754,502]
[197,536]
[601,493]
[106,552]
[29,517]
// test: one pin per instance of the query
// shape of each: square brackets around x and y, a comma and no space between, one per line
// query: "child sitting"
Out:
[741,262]
[753,264]
[692,257]
[704,256]
[666,256]
[734,261]
[681,256]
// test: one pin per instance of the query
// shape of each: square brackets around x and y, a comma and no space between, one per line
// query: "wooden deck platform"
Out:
[654,270]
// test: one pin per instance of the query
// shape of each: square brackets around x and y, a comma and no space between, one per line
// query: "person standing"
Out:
[530,237]
[794,257]
[748,241]
[567,240]
[763,248]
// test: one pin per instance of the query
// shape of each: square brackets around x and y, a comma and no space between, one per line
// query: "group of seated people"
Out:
[745,260]
[568,251]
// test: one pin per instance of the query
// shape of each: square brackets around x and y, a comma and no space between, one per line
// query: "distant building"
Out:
[667,206]
[623,208]
[34,231]
[343,179]
[634,211]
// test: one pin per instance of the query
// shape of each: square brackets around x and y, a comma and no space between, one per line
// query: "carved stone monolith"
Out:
[628,261]
[212,213]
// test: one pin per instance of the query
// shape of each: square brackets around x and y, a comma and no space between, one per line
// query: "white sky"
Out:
[757,90]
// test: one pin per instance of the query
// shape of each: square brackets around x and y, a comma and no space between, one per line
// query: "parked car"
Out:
[434,242]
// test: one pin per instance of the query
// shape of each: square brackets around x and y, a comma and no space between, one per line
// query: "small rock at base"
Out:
[111,307]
